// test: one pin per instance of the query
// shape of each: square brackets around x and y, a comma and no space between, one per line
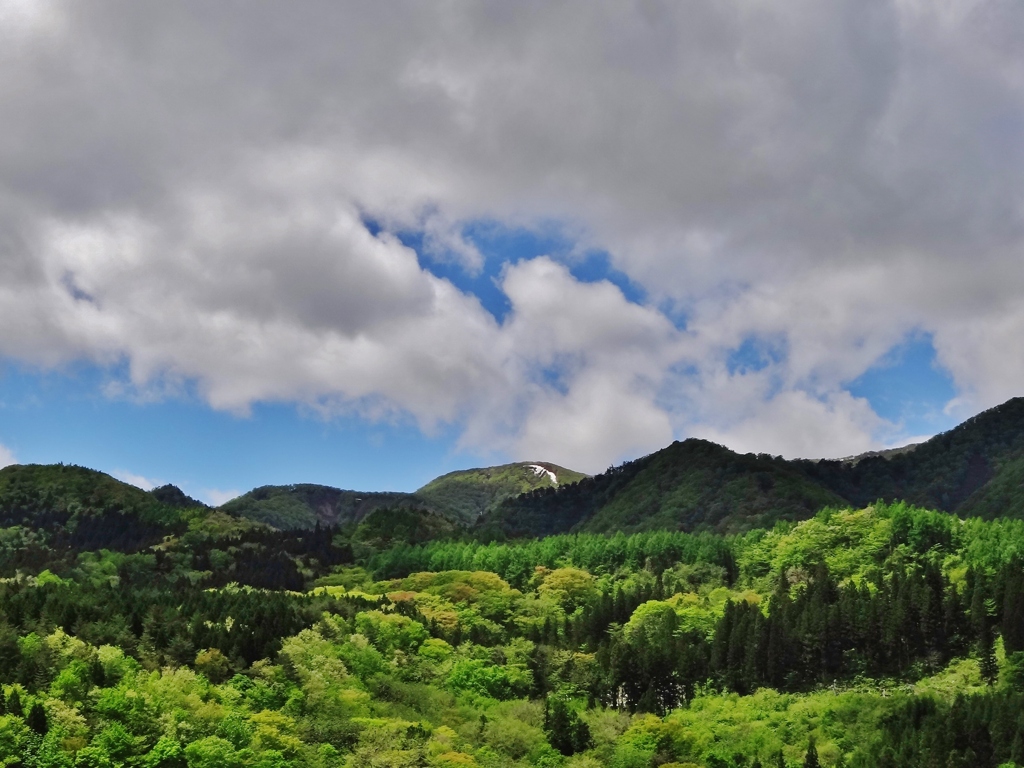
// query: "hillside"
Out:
[878,637]
[302,506]
[74,508]
[461,497]
[975,469]
[697,483]
[875,638]
[688,485]
[467,494]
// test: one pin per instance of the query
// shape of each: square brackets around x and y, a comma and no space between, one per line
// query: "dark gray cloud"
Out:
[183,185]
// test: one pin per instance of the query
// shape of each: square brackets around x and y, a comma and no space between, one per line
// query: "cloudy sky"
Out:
[364,243]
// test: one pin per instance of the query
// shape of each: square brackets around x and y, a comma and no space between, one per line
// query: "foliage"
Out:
[887,635]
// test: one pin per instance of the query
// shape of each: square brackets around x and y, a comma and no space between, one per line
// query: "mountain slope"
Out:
[687,485]
[81,508]
[467,494]
[973,469]
[29,490]
[461,497]
[976,468]
[698,483]
[290,507]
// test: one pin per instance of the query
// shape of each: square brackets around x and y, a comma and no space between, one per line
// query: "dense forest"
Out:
[174,636]
[693,608]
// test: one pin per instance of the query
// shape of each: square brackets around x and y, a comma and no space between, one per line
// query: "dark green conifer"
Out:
[987,657]
[14,704]
[811,758]
[37,719]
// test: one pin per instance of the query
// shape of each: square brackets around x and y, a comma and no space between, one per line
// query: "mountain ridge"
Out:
[974,469]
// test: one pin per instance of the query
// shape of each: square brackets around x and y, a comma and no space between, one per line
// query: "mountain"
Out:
[302,506]
[462,497]
[173,496]
[974,469]
[467,494]
[81,508]
[688,485]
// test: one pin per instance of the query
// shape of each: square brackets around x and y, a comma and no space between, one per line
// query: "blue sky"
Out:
[65,417]
[367,245]
[69,414]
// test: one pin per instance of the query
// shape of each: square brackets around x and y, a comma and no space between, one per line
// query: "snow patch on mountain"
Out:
[539,470]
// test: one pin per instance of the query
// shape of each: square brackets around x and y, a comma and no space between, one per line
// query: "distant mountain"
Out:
[290,507]
[975,469]
[467,494]
[462,497]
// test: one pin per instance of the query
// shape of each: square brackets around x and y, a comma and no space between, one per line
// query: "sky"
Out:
[363,244]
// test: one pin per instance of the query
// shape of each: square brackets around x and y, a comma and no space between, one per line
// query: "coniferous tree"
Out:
[37,719]
[987,657]
[811,758]
[1013,609]
[14,704]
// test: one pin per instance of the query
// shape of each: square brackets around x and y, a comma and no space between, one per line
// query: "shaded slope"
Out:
[388,526]
[546,511]
[81,508]
[688,485]
[467,494]
[697,483]
[173,496]
[976,468]
[973,469]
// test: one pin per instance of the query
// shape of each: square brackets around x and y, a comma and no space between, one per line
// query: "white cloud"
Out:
[185,190]
[138,481]
[215,497]
[7,457]
[796,425]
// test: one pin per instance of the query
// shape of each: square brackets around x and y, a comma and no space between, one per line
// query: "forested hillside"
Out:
[462,497]
[974,469]
[467,494]
[886,636]
[787,628]
[305,505]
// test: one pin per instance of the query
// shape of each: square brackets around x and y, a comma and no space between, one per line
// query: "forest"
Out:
[182,637]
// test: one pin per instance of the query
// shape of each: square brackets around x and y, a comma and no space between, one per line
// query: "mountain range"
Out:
[975,469]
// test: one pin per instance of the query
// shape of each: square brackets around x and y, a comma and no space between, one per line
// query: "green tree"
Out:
[811,758]
[987,664]
[37,719]
[14,703]
[565,730]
